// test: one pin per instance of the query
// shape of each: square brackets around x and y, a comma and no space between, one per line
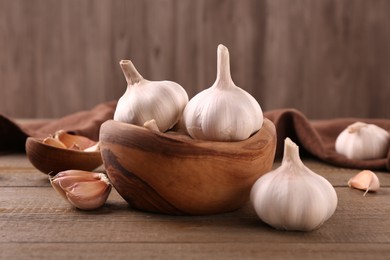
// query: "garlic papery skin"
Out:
[292,197]
[365,180]
[363,141]
[223,112]
[144,100]
[82,189]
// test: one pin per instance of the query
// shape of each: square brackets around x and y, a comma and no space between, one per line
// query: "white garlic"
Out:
[365,180]
[223,112]
[82,189]
[363,141]
[292,197]
[144,100]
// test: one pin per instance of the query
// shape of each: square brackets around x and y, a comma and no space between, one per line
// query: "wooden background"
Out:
[327,58]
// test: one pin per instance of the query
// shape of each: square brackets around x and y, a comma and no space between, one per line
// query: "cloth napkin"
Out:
[315,137]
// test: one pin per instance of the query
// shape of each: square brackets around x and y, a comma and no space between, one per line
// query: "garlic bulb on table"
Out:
[363,141]
[292,197]
[145,100]
[223,112]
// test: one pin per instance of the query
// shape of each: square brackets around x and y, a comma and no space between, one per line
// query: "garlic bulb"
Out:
[144,100]
[363,141]
[292,197]
[223,112]
[84,190]
[365,180]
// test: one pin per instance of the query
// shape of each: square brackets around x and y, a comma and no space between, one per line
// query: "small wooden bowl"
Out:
[175,174]
[51,159]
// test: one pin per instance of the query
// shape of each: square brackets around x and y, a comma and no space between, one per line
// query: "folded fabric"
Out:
[318,137]
[315,137]
[86,123]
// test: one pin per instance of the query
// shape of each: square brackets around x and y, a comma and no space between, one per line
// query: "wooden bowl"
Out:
[174,174]
[51,159]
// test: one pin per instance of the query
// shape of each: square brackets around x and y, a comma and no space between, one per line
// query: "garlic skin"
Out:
[292,197]
[144,100]
[363,141]
[223,112]
[82,189]
[365,180]
[54,142]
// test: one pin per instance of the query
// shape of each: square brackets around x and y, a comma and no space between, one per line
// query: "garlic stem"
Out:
[223,67]
[356,127]
[291,153]
[131,74]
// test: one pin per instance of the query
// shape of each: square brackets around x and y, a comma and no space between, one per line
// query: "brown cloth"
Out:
[86,123]
[316,138]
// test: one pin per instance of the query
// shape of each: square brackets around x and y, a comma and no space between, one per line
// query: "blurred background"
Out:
[326,58]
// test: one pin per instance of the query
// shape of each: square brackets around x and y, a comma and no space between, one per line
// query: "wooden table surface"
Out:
[36,223]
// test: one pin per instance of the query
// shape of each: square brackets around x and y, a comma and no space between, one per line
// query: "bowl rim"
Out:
[39,141]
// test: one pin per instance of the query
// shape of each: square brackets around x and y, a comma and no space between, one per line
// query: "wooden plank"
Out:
[17,170]
[39,215]
[35,222]
[250,250]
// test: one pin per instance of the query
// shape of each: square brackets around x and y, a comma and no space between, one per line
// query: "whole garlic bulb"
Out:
[145,100]
[363,141]
[292,197]
[223,112]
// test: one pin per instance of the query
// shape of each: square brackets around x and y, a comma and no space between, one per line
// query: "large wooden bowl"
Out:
[174,174]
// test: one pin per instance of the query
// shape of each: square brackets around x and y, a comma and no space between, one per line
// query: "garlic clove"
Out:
[361,141]
[151,125]
[84,190]
[88,195]
[365,180]
[144,100]
[222,112]
[74,142]
[54,142]
[292,197]
[94,148]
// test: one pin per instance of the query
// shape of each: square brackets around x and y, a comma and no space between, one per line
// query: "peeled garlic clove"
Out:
[223,112]
[84,190]
[363,141]
[365,180]
[292,197]
[54,142]
[144,100]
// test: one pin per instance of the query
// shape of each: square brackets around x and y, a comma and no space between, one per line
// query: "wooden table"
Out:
[36,223]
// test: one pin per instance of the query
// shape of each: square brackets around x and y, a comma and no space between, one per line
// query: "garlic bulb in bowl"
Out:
[363,141]
[292,197]
[144,100]
[223,112]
